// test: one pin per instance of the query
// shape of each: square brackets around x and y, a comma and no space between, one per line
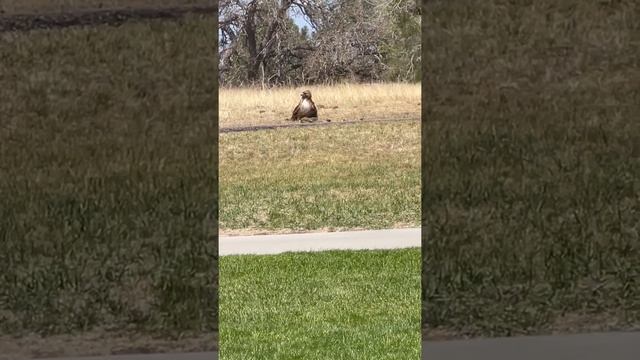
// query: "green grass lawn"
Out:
[106,179]
[343,177]
[532,158]
[327,305]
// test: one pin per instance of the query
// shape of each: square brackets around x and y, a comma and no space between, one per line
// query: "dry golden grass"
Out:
[250,106]
[47,6]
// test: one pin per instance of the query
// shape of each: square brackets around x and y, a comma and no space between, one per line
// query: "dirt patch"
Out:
[322,122]
[113,17]
[16,7]
[100,343]
[574,323]
[440,335]
[566,324]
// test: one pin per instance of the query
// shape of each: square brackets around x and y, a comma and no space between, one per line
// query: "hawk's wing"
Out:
[313,112]
[296,110]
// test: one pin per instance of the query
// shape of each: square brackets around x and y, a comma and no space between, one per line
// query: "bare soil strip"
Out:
[100,343]
[113,17]
[312,124]
[580,346]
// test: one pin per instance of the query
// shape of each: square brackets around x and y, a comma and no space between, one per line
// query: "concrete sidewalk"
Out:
[343,240]
[595,346]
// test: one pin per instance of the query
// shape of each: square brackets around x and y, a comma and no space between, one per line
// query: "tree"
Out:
[346,40]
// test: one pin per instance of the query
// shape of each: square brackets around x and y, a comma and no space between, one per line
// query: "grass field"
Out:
[332,178]
[329,305]
[357,176]
[248,106]
[108,156]
[532,160]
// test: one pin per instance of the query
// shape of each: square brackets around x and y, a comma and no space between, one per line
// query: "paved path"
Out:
[596,346]
[343,240]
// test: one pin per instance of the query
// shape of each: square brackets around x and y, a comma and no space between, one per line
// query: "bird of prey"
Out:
[305,108]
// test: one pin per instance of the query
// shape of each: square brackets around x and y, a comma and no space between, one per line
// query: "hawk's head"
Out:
[306,94]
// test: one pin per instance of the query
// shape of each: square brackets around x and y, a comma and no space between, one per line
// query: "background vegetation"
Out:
[108,158]
[344,41]
[532,167]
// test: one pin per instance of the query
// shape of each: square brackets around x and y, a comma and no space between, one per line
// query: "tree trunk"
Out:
[252,47]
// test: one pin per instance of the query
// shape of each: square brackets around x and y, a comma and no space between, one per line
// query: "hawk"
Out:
[305,108]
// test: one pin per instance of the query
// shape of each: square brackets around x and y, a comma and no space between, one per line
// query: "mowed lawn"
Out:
[364,176]
[532,150]
[327,305]
[106,148]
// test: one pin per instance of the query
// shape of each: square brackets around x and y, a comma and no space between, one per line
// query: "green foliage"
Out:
[403,49]
[356,42]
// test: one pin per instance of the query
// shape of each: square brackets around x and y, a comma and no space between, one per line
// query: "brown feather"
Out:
[296,110]
[298,113]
